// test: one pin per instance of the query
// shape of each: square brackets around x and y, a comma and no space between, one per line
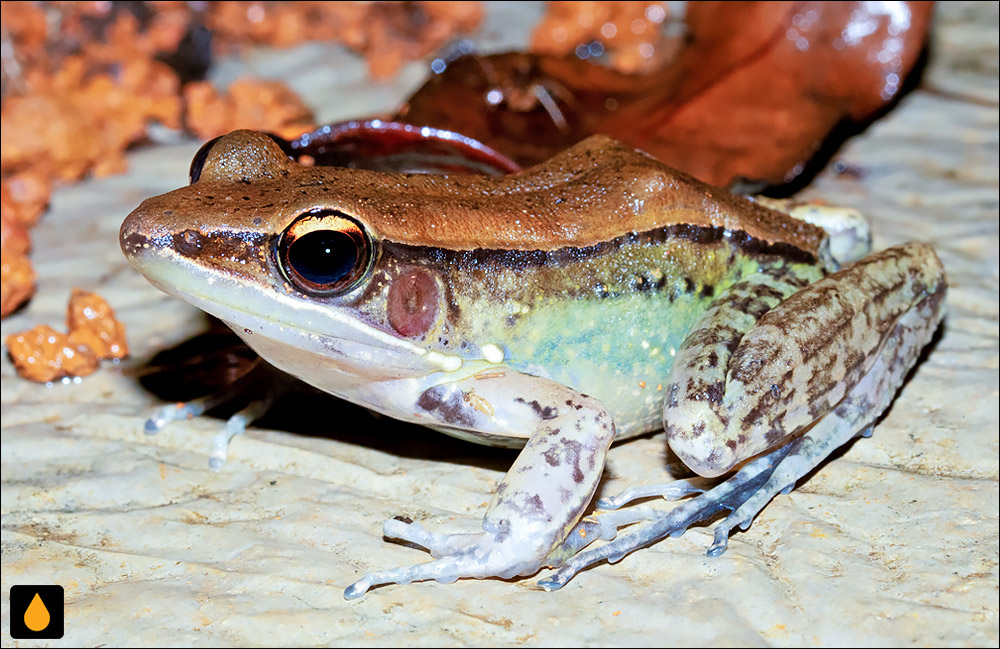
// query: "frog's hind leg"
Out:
[436,543]
[907,311]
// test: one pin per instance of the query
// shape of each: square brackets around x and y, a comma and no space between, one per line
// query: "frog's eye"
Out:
[325,253]
[200,158]
[198,161]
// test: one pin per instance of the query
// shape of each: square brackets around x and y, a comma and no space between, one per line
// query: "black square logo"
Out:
[36,612]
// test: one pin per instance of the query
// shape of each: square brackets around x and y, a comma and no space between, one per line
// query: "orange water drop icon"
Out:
[37,616]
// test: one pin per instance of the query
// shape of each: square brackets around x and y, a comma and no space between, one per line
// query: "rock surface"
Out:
[893,542]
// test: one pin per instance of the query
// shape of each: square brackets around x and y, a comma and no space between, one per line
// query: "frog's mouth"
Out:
[326,346]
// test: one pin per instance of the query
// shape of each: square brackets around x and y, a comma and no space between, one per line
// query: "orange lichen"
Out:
[249,103]
[81,111]
[43,354]
[14,238]
[92,324]
[24,196]
[399,32]
[387,33]
[25,22]
[17,281]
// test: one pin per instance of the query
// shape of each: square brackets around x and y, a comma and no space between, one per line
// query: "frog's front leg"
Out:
[802,378]
[543,494]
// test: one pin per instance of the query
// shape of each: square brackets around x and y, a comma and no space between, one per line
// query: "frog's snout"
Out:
[133,237]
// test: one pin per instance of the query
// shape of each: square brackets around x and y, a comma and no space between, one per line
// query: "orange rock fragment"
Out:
[249,103]
[14,238]
[17,281]
[24,196]
[396,32]
[388,33]
[81,115]
[92,324]
[25,22]
[43,354]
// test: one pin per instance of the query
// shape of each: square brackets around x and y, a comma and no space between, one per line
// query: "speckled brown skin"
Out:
[593,192]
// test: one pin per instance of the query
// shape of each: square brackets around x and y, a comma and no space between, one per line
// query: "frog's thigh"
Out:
[543,494]
[737,389]
[853,415]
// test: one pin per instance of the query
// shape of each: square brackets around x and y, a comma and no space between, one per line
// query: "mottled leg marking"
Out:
[696,412]
[543,494]
[604,524]
[731,395]
[759,480]
[657,524]
[749,491]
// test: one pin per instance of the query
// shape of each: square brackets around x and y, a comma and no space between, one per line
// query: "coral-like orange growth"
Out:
[43,354]
[17,281]
[388,33]
[253,104]
[92,323]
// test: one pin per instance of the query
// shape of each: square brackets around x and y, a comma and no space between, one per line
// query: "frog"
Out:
[594,297]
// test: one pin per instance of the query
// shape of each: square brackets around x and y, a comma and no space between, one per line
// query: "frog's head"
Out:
[293,260]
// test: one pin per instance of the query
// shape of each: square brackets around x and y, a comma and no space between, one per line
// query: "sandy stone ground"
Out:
[893,542]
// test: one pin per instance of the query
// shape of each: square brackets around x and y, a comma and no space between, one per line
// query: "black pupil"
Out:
[323,256]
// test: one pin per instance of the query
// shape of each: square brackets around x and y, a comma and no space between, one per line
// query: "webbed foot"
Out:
[740,494]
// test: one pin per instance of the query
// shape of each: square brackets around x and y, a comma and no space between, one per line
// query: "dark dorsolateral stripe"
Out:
[526,259]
